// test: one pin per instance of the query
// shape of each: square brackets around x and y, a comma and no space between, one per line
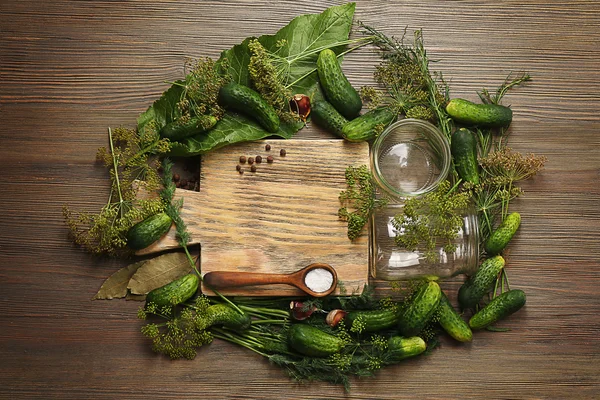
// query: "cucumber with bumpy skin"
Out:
[225,315]
[464,152]
[327,117]
[452,322]
[364,128]
[175,292]
[249,102]
[500,307]
[311,341]
[374,320]
[400,347]
[478,285]
[420,309]
[501,236]
[177,130]
[148,231]
[338,91]
[484,115]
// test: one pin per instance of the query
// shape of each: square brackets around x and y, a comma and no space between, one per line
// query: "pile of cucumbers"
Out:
[339,111]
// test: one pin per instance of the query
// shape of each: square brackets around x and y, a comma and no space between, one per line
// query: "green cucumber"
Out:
[366,126]
[478,285]
[420,309]
[177,130]
[148,231]
[175,292]
[464,152]
[484,115]
[501,236]
[338,91]
[311,341]
[500,307]
[327,117]
[400,347]
[242,99]
[374,320]
[224,314]
[452,322]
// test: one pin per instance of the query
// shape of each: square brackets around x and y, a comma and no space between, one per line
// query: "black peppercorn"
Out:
[267,147]
[238,168]
[253,168]
[258,159]
[250,160]
[270,159]
[176,177]
[282,152]
[242,159]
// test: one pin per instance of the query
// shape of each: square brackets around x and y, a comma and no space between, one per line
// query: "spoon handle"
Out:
[225,279]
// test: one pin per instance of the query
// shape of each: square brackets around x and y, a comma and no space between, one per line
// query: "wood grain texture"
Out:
[71,69]
[278,219]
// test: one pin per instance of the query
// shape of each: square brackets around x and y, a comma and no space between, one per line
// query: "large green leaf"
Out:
[303,35]
[162,110]
[232,128]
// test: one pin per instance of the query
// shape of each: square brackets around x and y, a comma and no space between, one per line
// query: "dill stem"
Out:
[115,168]
[218,333]
[506,278]
[269,321]
[266,311]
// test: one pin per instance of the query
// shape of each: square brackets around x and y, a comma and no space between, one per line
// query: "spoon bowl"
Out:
[226,279]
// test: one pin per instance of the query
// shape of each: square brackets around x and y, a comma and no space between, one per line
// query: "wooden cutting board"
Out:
[278,219]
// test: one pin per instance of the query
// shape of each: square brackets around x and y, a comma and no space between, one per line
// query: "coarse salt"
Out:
[319,280]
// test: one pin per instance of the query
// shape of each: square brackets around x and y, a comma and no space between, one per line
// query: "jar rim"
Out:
[435,134]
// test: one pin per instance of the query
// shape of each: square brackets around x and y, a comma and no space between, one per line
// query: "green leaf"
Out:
[162,111]
[115,287]
[305,35]
[232,128]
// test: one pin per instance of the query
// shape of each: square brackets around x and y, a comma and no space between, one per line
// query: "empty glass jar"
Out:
[411,158]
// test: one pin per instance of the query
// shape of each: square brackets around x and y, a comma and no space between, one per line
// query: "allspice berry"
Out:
[242,159]
[270,159]
[282,152]
[258,159]
[267,147]
[253,168]
[250,160]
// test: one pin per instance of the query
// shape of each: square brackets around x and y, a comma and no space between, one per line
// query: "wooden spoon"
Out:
[225,279]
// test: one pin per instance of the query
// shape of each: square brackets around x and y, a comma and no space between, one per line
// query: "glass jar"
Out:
[391,262]
[411,158]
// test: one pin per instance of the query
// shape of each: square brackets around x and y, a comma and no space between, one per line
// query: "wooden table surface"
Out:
[69,70]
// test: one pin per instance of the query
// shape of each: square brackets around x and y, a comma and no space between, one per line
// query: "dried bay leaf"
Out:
[115,287]
[135,297]
[158,272]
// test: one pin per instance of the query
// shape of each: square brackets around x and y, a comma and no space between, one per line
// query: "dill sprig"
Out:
[360,198]
[432,219]
[508,84]
[200,90]
[501,171]
[269,81]
[411,87]
[130,157]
